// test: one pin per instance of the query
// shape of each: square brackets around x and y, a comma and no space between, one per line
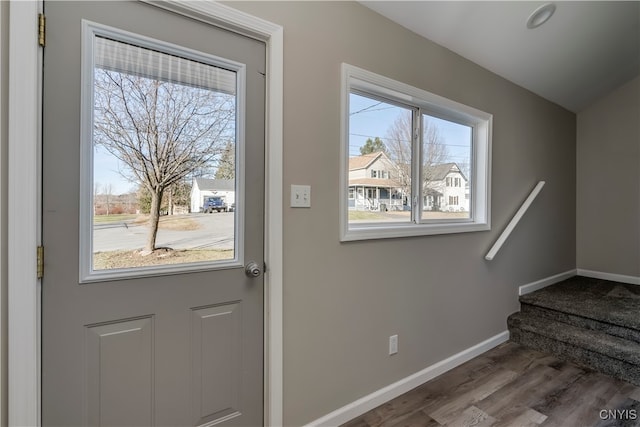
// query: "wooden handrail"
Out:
[514,221]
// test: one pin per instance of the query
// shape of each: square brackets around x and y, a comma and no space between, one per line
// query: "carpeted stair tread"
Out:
[582,322]
[590,340]
[600,300]
[599,362]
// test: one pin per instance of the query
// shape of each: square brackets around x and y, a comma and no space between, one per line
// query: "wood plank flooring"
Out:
[512,385]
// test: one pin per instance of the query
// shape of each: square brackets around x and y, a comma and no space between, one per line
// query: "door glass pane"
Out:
[163,158]
[379,161]
[446,169]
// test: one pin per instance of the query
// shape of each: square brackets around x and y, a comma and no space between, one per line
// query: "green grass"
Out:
[364,216]
[104,219]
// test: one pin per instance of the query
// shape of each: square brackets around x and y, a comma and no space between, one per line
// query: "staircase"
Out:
[593,322]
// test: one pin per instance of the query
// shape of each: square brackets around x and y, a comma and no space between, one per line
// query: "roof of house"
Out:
[432,192]
[440,171]
[374,182]
[364,161]
[435,172]
[215,184]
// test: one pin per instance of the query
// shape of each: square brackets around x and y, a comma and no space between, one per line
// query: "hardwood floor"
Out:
[512,385]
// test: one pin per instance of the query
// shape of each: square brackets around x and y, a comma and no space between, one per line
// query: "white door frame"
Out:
[24,208]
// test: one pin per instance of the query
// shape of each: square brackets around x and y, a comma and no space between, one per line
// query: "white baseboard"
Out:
[528,288]
[377,398]
[633,280]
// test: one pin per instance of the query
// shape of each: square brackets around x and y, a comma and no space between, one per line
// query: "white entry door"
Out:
[152,308]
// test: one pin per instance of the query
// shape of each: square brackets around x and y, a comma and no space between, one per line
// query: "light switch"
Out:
[300,196]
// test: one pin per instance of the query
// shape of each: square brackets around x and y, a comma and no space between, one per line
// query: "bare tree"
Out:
[178,195]
[399,141]
[161,131]
[108,195]
[465,168]
[434,150]
[96,192]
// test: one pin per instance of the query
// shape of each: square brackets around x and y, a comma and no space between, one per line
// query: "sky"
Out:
[105,172]
[200,103]
[108,170]
[370,118]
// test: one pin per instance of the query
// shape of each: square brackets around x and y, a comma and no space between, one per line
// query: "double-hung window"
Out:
[436,154]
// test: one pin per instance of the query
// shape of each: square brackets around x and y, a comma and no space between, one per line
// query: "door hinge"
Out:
[40,262]
[41,29]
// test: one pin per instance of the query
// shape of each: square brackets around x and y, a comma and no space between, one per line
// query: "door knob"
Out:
[253,269]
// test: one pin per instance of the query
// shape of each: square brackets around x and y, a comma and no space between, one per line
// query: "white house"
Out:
[373,183]
[447,189]
[204,187]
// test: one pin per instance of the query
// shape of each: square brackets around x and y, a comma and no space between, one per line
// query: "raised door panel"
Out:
[120,373]
[217,362]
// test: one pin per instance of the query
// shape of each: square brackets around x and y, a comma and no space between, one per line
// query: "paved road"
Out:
[216,232]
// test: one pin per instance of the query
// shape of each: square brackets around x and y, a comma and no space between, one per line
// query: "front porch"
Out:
[375,198]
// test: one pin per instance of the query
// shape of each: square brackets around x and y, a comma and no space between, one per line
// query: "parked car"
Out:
[214,203]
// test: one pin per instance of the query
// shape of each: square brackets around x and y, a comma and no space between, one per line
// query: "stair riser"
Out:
[596,361]
[594,341]
[582,322]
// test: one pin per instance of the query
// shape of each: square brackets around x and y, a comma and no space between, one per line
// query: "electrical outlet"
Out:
[393,344]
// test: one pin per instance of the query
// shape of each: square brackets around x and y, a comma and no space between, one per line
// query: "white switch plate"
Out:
[300,196]
[393,344]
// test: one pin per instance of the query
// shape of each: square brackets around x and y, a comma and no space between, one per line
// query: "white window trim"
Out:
[481,122]
[23,207]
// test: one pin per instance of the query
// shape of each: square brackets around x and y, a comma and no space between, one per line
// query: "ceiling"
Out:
[584,51]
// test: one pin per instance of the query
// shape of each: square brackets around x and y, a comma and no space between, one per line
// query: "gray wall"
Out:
[4,87]
[608,186]
[342,301]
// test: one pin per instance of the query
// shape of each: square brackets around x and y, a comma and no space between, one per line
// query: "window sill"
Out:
[390,231]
